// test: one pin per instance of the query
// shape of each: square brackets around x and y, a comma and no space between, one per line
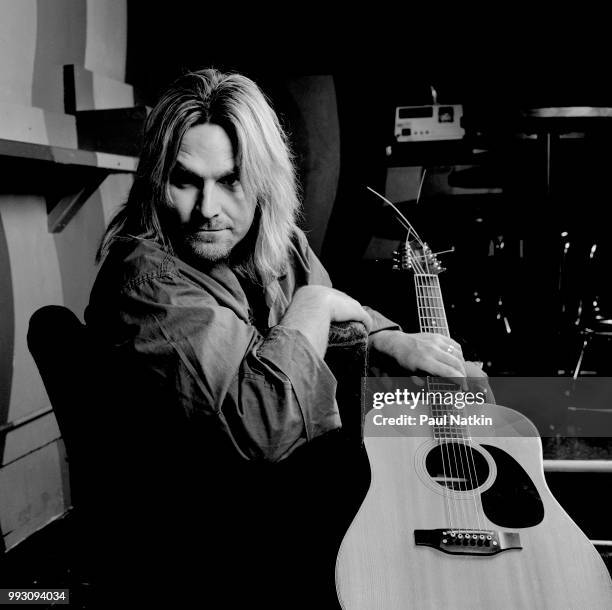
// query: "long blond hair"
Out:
[263,157]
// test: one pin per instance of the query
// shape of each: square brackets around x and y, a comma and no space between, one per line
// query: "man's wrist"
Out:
[385,342]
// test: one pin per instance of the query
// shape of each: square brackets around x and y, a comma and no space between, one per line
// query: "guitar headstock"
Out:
[416,256]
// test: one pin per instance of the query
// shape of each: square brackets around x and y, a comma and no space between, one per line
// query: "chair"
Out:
[139,485]
[106,415]
[121,478]
[58,343]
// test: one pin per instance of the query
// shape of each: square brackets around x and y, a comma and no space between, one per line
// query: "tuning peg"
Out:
[445,251]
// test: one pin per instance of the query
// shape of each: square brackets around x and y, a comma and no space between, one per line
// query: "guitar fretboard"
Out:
[432,316]
[432,319]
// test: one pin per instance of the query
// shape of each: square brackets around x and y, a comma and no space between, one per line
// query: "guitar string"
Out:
[455,481]
[432,327]
[469,453]
[456,476]
[461,443]
[447,494]
[404,221]
[465,446]
[459,479]
[443,446]
[459,446]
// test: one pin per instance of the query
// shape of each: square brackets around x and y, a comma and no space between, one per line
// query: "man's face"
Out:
[210,211]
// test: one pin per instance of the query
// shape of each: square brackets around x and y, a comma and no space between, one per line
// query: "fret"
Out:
[432,318]
[449,436]
[428,276]
[442,387]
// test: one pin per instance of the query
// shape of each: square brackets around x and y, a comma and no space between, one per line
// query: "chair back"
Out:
[58,343]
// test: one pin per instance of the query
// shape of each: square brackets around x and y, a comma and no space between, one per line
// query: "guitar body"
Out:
[380,566]
[458,514]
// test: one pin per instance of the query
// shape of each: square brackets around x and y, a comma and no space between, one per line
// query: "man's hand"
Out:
[434,354]
[429,352]
[313,308]
[344,308]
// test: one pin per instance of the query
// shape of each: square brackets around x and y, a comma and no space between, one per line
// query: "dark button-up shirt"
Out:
[226,357]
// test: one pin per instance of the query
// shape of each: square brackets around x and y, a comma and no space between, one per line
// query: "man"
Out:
[211,290]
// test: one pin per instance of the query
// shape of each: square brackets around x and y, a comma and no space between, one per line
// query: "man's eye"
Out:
[182,179]
[231,181]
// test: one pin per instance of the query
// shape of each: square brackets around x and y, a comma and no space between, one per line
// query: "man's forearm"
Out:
[384,342]
[306,315]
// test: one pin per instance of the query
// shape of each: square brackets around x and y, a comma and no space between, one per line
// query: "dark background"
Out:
[495,63]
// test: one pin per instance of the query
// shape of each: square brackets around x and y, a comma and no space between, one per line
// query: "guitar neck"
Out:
[432,319]
[432,316]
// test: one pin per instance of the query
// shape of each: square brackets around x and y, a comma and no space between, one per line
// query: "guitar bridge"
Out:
[467,541]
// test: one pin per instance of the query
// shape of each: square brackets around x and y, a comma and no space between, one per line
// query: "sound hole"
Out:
[457,466]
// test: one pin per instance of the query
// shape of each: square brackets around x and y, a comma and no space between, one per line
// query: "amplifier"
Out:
[437,122]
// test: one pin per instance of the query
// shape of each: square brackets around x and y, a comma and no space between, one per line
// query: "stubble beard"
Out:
[206,252]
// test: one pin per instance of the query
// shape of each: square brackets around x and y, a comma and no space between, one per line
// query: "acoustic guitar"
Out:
[459,516]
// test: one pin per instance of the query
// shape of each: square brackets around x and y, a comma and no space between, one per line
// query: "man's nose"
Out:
[209,201]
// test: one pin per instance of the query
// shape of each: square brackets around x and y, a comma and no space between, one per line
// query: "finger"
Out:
[419,381]
[453,360]
[453,369]
[368,321]
[446,344]
[438,339]
[452,347]
[443,369]
[454,344]
[361,315]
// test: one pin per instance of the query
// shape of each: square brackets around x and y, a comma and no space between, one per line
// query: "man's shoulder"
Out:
[304,267]
[131,261]
[300,253]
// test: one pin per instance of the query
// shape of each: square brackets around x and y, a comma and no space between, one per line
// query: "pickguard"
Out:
[513,500]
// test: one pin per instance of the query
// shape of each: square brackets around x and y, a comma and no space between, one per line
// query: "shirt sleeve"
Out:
[267,394]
